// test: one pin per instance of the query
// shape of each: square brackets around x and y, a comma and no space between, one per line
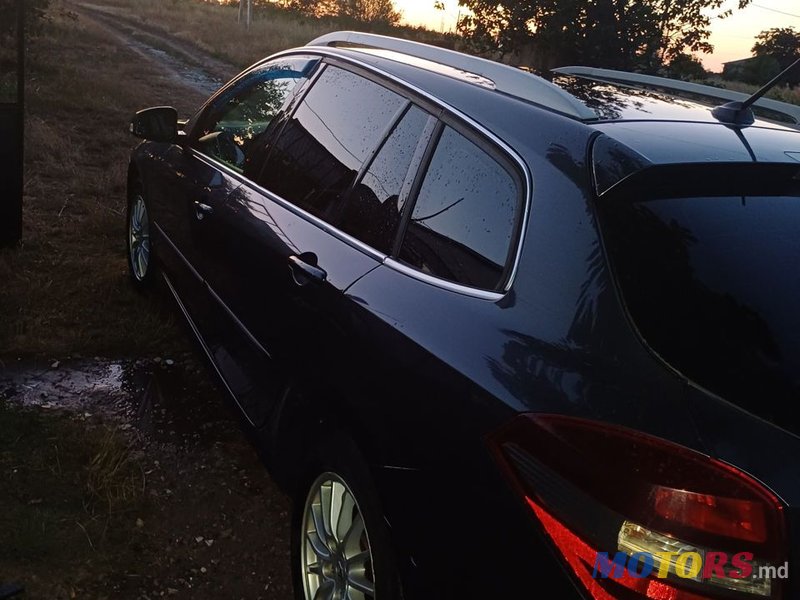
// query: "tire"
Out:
[361,564]
[141,260]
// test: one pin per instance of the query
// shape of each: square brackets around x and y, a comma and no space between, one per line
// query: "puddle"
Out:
[165,400]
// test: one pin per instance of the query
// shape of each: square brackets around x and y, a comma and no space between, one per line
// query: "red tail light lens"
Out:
[739,519]
[600,487]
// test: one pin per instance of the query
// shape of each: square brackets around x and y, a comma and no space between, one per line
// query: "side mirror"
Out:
[157,124]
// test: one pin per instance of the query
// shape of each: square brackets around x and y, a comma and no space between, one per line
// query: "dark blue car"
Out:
[499,335]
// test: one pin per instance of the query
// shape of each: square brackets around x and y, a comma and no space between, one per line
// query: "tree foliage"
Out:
[783,45]
[364,11]
[781,42]
[686,67]
[627,34]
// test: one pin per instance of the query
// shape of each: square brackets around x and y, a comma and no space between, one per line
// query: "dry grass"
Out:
[65,288]
[113,477]
[214,29]
[781,93]
[61,508]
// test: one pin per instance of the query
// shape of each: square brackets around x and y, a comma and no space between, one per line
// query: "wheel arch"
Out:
[308,413]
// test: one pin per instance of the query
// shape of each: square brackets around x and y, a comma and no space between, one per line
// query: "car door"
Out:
[179,189]
[231,139]
[333,227]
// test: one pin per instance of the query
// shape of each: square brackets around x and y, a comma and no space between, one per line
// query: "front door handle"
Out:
[304,268]
[201,209]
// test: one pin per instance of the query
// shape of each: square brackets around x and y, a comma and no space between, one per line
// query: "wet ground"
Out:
[167,400]
[211,525]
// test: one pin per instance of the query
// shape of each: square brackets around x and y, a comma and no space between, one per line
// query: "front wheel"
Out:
[140,264]
[340,545]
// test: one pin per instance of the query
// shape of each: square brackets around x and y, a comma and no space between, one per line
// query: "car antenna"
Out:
[740,113]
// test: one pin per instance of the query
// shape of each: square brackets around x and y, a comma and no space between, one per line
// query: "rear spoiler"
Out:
[682,180]
[619,170]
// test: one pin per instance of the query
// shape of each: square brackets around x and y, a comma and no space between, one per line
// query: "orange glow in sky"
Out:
[732,37]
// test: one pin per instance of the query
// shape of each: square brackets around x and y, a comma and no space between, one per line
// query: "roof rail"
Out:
[789,110]
[506,79]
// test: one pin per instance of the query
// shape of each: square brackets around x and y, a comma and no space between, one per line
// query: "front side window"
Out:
[237,122]
[323,146]
[464,221]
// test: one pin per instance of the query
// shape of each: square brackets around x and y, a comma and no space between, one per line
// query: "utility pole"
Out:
[12,113]
[246,8]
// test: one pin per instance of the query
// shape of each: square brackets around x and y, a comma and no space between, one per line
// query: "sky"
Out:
[732,37]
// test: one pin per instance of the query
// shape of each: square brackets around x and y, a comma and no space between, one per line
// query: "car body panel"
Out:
[418,372]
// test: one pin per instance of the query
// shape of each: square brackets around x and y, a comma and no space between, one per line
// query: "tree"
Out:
[627,34]
[362,11]
[687,67]
[369,11]
[783,45]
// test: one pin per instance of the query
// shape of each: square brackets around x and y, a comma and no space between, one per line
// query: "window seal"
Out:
[416,185]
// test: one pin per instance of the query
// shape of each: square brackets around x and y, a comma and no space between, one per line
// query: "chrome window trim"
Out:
[442,283]
[324,225]
[389,262]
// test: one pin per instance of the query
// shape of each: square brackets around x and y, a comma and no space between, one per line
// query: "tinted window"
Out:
[371,211]
[712,285]
[325,143]
[464,218]
[233,128]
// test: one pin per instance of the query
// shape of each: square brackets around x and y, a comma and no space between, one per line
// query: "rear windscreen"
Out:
[713,285]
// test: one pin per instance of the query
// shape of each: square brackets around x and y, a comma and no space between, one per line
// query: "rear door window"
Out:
[464,221]
[371,211]
[324,145]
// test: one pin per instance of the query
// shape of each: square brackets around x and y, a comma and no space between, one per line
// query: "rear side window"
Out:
[371,211]
[463,224]
[324,145]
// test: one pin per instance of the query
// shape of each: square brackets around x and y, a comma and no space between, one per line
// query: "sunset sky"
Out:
[732,37]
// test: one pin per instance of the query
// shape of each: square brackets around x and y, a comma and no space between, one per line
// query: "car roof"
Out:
[584,93]
[659,126]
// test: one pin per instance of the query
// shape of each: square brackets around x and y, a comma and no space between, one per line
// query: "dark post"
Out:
[12,114]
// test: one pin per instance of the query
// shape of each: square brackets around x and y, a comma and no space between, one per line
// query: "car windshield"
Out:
[712,284]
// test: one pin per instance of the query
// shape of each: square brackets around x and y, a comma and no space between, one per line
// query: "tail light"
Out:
[600,487]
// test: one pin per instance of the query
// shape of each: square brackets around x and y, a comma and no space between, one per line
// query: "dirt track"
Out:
[186,65]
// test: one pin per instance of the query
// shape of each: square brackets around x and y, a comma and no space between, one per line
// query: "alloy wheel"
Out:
[139,238]
[335,553]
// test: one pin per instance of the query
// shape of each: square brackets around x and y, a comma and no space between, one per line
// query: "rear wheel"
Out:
[340,545]
[140,264]
[335,554]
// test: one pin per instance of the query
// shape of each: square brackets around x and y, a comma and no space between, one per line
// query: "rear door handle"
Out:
[304,268]
[201,209]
